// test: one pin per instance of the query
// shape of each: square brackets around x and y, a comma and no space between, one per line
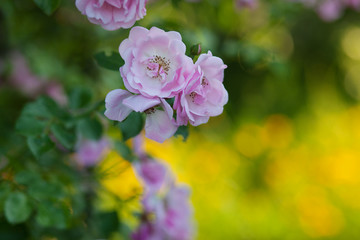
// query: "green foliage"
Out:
[131,126]
[105,223]
[50,215]
[182,131]
[48,6]
[39,145]
[79,98]
[124,151]
[17,207]
[29,126]
[65,136]
[110,62]
[90,128]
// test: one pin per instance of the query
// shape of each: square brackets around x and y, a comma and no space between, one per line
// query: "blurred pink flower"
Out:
[22,78]
[90,152]
[330,10]
[153,59]
[241,4]
[167,212]
[171,215]
[355,4]
[31,85]
[56,92]
[204,95]
[151,172]
[113,14]
[159,124]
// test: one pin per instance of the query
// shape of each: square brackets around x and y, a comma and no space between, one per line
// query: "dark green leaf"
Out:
[4,192]
[90,128]
[183,131]
[106,223]
[175,3]
[39,145]
[65,137]
[48,6]
[124,151]
[79,98]
[17,207]
[111,61]
[131,126]
[170,101]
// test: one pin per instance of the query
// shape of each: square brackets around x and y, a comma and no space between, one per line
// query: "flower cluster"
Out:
[157,70]
[113,14]
[330,10]
[167,213]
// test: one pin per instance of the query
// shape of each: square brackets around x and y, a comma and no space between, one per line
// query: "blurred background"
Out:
[283,160]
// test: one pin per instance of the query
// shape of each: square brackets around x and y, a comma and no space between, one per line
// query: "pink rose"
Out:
[112,14]
[153,61]
[159,124]
[205,95]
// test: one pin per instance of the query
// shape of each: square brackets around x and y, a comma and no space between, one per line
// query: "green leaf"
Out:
[45,190]
[17,207]
[124,151]
[111,62]
[39,145]
[90,128]
[79,98]
[49,215]
[36,109]
[48,6]
[35,115]
[27,177]
[52,108]
[66,137]
[29,126]
[183,131]
[131,126]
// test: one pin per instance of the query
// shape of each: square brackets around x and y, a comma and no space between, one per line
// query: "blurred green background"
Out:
[282,162]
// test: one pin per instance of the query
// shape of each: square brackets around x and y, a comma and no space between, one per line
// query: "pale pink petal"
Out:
[115,109]
[140,103]
[159,127]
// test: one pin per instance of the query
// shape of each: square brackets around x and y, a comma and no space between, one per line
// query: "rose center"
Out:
[158,67]
[150,110]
